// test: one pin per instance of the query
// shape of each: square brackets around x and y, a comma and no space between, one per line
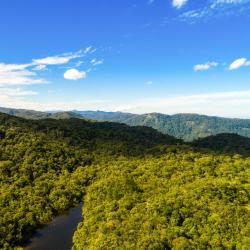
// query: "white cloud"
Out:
[149,82]
[74,74]
[95,62]
[14,92]
[88,49]
[63,58]
[27,74]
[216,8]
[12,67]
[205,66]
[228,104]
[39,67]
[15,97]
[53,60]
[18,74]
[179,3]
[221,2]
[238,63]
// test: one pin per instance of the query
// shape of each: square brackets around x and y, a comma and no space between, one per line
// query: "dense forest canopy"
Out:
[141,189]
[183,126]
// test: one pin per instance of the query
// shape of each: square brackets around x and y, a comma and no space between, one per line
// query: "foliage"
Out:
[141,189]
[179,200]
[188,127]
[45,167]
[229,143]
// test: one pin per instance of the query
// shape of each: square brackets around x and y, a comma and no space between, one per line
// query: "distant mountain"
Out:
[25,113]
[183,126]
[64,115]
[37,115]
[192,126]
[107,116]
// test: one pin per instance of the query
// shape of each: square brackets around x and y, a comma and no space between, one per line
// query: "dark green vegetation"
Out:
[141,189]
[45,166]
[183,126]
[227,143]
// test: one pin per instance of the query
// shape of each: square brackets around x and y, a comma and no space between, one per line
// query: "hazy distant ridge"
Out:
[183,126]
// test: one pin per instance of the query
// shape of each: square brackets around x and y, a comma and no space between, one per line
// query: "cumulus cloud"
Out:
[205,66]
[74,74]
[238,63]
[179,3]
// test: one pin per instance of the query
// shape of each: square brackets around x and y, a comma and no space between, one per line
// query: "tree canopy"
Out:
[141,189]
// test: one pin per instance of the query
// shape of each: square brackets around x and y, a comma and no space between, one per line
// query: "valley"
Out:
[141,189]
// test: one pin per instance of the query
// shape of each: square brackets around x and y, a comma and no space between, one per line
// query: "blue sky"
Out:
[168,56]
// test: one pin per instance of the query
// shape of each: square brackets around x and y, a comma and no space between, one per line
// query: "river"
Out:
[58,234]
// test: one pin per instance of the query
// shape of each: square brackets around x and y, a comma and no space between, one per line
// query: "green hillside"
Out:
[183,126]
[25,113]
[191,126]
[229,143]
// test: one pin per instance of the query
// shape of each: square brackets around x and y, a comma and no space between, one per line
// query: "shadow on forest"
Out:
[120,139]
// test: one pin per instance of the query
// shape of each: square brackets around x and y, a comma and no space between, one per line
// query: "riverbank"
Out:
[58,234]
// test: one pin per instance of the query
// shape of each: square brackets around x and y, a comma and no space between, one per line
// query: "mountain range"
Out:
[188,127]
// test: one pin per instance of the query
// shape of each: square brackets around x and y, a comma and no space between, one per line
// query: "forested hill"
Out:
[45,166]
[141,189]
[183,126]
[89,134]
[229,143]
[192,126]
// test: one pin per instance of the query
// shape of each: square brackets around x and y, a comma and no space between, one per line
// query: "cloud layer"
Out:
[227,104]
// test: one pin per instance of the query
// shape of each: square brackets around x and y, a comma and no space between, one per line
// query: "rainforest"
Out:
[124,125]
[141,189]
